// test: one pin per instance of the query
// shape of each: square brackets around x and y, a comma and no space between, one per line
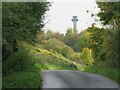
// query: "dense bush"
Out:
[83,41]
[58,46]
[76,57]
[109,15]
[70,38]
[21,21]
[19,61]
[30,78]
[86,56]
[67,51]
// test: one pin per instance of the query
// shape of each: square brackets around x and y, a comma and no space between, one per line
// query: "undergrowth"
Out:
[22,69]
[24,79]
[112,73]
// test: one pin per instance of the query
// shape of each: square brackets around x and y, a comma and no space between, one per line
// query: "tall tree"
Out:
[83,41]
[109,11]
[70,38]
[109,15]
[21,21]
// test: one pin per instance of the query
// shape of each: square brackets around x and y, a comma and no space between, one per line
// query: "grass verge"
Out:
[29,78]
[112,73]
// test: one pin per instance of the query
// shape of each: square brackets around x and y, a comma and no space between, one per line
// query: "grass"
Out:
[43,60]
[112,73]
[21,71]
[30,78]
[51,60]
[53,67]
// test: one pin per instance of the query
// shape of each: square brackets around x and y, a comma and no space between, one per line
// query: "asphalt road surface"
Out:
[75,79]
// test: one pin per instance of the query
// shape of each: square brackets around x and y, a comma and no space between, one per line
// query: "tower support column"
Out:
[74,20]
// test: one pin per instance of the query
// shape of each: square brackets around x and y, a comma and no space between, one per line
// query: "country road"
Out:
[75,79]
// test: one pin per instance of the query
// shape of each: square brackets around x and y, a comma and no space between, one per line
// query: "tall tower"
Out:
[74,20]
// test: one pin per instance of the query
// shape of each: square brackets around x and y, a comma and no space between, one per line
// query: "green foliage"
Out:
[20,70]
[83,41]
[112,73]
[66,51]
[95,46]
[49,34]
[76,57]
[109,50]
[70,38]
[57,46]
[21,21]
[96,40]
[119,47]
[19,61]
[50,59]
[86,56]
[91,38]
[105,42]
[30,78]
[109,11]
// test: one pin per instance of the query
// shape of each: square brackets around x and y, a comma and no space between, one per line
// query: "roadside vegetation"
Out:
[27,50]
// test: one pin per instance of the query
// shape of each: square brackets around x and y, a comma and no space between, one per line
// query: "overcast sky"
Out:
[60,14]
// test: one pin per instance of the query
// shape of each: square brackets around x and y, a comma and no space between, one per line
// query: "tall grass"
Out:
[29,78]
[20,70]
[19,61]
[112,73]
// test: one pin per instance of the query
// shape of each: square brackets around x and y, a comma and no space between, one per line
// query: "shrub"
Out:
[76,57]
[58,46]
[27,79]
[86,56]
[20,60]
[66,51]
